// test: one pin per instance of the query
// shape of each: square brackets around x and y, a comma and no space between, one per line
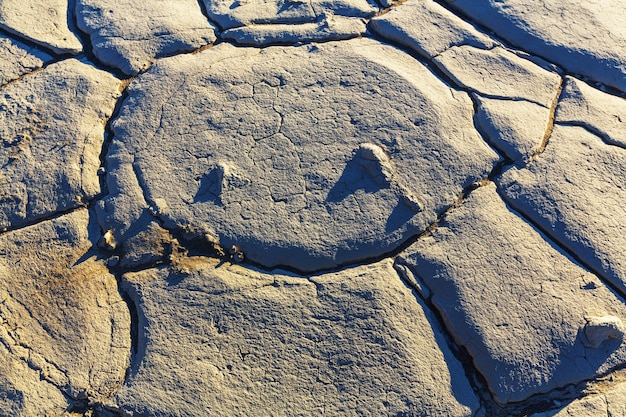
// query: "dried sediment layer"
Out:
[131,35]
[51,132]
[583,37]
[64,329]
[599,112]
[575,192]
[515,94]
[310,156]
[607,402]
[44,22]
[264,150]
[531,318]
[18,59]
[232,341]
[229,14]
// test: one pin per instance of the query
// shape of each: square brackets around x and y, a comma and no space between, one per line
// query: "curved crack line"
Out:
[510,45]
[551,239]
[475,378]
[30,360]
[40,219]
[20,37]
[594,131]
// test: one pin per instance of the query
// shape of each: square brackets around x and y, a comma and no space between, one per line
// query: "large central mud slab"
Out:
[309,157]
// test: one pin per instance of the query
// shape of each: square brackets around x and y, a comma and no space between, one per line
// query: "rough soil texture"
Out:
[65,330]
[341,208]
[243,342]
[263,168]
[481,298]
[52,126]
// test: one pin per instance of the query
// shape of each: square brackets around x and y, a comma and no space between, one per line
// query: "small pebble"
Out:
[113,261]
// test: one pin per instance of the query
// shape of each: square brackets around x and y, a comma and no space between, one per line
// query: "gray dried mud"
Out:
[354,207]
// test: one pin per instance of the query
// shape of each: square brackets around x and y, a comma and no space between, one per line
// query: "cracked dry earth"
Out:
[290,208]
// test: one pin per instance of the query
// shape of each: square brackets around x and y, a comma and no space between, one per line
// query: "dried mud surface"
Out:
[348,208]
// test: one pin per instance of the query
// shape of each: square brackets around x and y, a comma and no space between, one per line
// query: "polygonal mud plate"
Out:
[17,59]
[44,22]
[123,38]
[588,38]
[575,193]
[531,319]
[309,157]
[64,329]
[234,13]
[233,341]
[51,134]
